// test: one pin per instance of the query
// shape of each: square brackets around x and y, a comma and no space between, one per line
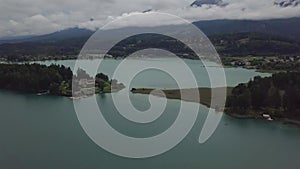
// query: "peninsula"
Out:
[272,98]
[54,80]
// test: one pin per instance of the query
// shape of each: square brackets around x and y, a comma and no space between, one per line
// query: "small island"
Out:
[271,98]
[54,80]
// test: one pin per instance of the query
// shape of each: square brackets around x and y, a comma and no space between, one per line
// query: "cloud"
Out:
[43,16]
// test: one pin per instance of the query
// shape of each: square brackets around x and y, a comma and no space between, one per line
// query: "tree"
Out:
[103,77]
[241,97]
[257,97]
[101,85]
[54,89]
[291,99]
[273,98]
[244,100]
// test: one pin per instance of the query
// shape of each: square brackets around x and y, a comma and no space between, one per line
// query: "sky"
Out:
[35,17]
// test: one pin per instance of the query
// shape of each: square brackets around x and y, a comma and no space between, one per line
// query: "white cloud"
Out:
[44,16]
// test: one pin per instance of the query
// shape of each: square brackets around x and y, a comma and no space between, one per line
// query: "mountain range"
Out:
[52,37]
[286,27]
[69,41]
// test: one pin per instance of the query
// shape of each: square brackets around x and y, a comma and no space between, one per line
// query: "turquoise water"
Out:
[161,80]
[44,132]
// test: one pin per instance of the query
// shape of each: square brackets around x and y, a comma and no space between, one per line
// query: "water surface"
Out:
[44,132]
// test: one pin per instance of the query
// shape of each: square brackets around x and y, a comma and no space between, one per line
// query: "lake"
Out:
[44,132]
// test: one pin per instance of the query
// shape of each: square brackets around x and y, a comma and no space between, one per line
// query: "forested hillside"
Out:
[236,44]
[278,95]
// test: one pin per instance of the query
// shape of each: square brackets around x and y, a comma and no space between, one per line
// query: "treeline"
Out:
[53,79]
[278,95]
[34,78]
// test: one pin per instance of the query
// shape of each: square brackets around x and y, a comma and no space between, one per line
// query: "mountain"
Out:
[199,3]
[67,43]
[288,27]
[284,27]
[55,45]
[254,44]
[14,38]
[233,44]
[287,3]
[52,37]
[64,34]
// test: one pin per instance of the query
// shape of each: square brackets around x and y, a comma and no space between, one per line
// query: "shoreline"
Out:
[269,71]
[205,100]
[224,63]
[251,115]
[284,121]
